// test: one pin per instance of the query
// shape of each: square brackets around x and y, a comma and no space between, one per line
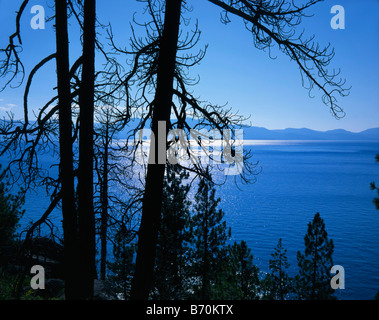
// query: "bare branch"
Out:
[273,22]
[12,64]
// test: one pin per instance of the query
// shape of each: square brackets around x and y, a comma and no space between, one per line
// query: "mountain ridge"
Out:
[261,133]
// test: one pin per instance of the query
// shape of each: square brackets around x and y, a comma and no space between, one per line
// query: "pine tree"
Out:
[374,187]
[313,280]
[224,283]
[123,265]
[174,236]
[10,214]
[279,281]
[246,273]
[210,234]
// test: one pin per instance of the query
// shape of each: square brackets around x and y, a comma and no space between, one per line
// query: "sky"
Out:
[233,72]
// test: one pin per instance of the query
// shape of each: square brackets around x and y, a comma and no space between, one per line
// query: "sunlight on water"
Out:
[298,179]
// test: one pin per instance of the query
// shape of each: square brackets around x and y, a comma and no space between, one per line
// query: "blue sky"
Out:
[234,71]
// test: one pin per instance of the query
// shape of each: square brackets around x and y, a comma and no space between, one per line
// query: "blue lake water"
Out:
[298,179]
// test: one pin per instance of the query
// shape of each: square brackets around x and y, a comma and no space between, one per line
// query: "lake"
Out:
[298,179]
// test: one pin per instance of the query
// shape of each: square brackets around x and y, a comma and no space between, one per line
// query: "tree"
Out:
[224,281]
[72,280]
[39,137]
[376,203]
[160,74]
[209,235]
[117,192]
[279,283]
[152,201]
[122,266]
[26,140]
[103,167]
[244,270]
[270,22]
[86,154]
[313,280]
[10,213]
[172,260]
[103,171]
[374,187]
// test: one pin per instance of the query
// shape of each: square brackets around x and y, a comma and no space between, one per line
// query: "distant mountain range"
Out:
[259,133]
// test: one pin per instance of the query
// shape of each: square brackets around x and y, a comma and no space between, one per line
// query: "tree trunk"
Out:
[104,203]
[85,186]
[152,201]
[205,271]
[66,155]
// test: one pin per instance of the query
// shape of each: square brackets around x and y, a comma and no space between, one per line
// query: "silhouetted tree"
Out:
[10,214]
[122,266]
[270,22]
[159,72]
[376,203]
[27,140]
[172,260]
[117,196]
[102,166]
[244,271]
[313,280]
[374,187]
[103,180]
[152,202]
[209,235]
[278,282]
[86,153]
[72,285]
